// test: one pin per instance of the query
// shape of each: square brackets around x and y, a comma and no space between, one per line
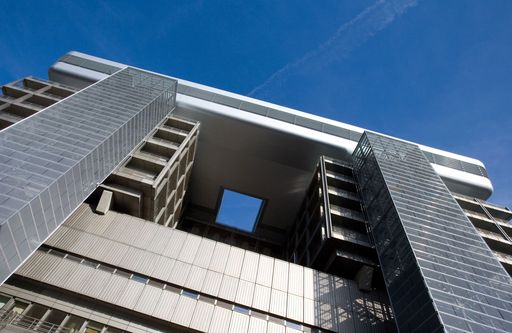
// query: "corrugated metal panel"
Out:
[250,266]
[84,243]
[131,259]
[196,278]
[75,218]
[69,239]
[115,253]
[147,233]
[228,288]
[147,263]
[257,325]
[202,316]
[148,299]
[130,231]
[99,249]
[342,295]
[295,307]
[219,257]
[114,288]
[177,239]
[278,302]
[166,305]
[115,228]
[100,223]
[292,330]
[179,273]
[235,261]
[239,323]
[310,307]
[53,239]
[204,253]
[160,241]
[220,320]
[131,294]
[280,276]
[244,293]
[189,249]
[265,271]
[40,266]
[184,311]
[296,280]
[324,287]
[261,299]
[61,272]
[163,268]
[275,328]
[309,284]
[326,316]
[96,283]
[78,278]
[212,283]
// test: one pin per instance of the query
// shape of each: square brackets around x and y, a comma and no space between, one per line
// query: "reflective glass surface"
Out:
[51,162]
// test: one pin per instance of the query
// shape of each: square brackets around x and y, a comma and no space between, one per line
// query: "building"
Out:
[133,201]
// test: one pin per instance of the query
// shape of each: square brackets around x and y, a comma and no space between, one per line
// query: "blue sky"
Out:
[434,72]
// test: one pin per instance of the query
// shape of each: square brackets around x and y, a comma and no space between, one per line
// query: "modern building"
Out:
[132,201]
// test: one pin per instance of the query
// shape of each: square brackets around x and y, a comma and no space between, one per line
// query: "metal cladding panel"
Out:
[228,288]
[159,242]
[196,278]
[163,268]
[131,294]
[324,285]
[265,270]
[309,283]
[147,234]
[275,328]
[166,305]
[115,228]
[325,316]
[148,299]
[296,280]
[250,266]
[114,288]
[310,307]
[278,302]
[292,330]
[344,300]
[61,273]
[220,320]
[99,249]
[177,239]
[257,325]
[179,273]
[202,316]
[203,255]
[84,243]
[54,238]
[147,263]
[235,261]
[116,253]
[261,299]
[96,283]
[295,307]
[244,293]
[131,259]
[184,311]
[239,323]
[53,160]
[78,278]
[189,249]
[212,283]
[280,278]
[219,257]
[129,231]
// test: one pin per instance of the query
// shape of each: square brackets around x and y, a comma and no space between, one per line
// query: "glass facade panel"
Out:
[50,162]
[438,270]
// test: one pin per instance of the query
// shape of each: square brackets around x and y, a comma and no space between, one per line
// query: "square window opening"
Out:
[239,211]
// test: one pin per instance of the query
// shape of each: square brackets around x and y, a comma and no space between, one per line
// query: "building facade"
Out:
[131,201]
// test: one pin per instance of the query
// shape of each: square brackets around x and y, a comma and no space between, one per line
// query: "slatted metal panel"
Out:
[166,305]
[212,283]
[265,270]
[219,257]
[203,255]
[202,316]
[189,249]
[196,278]
[278,302]
[148,299]
[228,288]
[235,261]
[280,277]
[250,266]
[184,311]
[257,325]
[261,299]
[239,323]
[244,293]
[220,320]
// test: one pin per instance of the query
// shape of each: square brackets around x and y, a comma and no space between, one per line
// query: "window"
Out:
[239,211]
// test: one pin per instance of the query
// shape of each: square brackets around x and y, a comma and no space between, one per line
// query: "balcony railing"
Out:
[30,323]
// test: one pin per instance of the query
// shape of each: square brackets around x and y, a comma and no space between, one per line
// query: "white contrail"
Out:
[348,37]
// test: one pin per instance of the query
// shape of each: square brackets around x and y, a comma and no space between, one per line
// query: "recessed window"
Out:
[239,211]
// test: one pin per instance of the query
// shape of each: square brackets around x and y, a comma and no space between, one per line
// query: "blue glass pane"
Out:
[239,211]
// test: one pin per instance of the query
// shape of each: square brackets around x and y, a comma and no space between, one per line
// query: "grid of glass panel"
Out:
[440,274]
[51,162]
